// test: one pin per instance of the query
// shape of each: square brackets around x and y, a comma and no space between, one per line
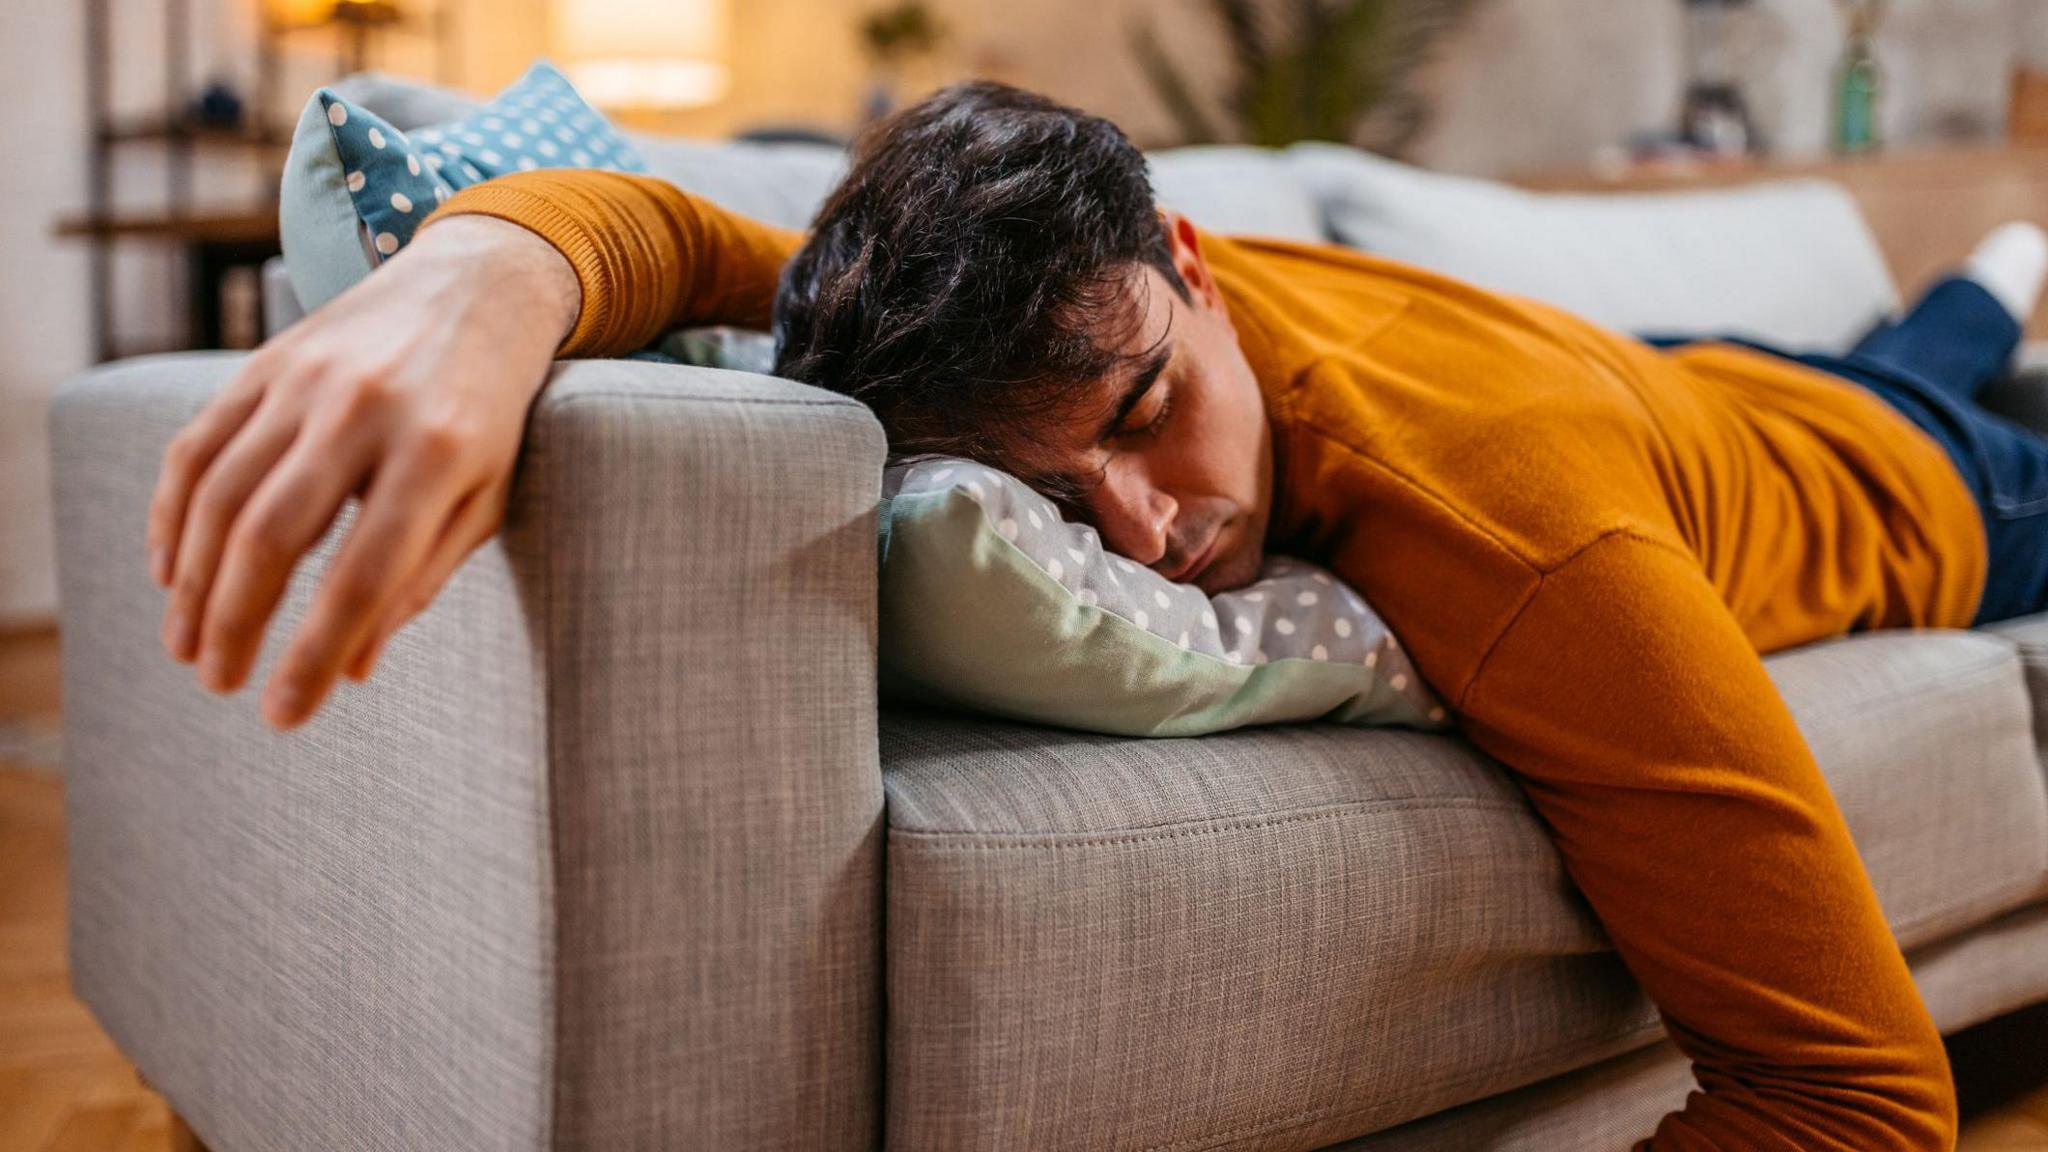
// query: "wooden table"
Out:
[1928,209]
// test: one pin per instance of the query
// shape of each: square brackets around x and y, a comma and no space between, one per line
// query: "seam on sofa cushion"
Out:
[679,398]
[1991,667]
[956,840]
[1571,1058]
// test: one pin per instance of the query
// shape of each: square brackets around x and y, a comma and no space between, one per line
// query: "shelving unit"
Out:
[215,242]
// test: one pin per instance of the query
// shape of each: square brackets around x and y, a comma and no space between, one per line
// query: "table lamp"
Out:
[358,21]
[643,55]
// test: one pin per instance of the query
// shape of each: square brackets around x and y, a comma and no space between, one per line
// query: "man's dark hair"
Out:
[971,276]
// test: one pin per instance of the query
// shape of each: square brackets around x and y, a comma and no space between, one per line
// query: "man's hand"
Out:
[409,390]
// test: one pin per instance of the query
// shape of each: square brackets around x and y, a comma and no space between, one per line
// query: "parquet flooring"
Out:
[64,1087]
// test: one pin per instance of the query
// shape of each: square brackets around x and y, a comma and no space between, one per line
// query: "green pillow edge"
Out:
[1150,687]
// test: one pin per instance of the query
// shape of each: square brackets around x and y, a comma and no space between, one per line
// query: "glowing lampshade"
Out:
[310,13]
[299,13]
[643,53]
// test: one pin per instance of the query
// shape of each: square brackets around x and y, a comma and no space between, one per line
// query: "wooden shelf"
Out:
[215,241]
[252,226]
[261,137]
[1927,167]
[129,349]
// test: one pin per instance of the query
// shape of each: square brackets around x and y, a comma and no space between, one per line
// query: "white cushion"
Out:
[1237,191]
[1790,263]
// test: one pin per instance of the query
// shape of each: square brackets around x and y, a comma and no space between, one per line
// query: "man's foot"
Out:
[2012,264]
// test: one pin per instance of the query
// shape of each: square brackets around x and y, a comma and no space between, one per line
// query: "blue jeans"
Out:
[1930,365]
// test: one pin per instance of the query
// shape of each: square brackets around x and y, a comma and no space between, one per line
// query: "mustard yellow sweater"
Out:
[1585,543]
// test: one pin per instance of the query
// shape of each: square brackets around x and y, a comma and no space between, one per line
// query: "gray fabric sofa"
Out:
[619,849]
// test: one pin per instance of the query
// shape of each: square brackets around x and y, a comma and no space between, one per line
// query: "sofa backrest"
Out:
[1790,262]
[780,184]
[1237,191]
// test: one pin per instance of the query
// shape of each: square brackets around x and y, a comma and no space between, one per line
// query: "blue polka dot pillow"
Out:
[356,188]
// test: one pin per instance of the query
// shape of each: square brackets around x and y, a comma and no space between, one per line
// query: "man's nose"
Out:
[1135,517]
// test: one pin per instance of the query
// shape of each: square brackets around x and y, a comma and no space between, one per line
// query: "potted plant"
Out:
[1338,70]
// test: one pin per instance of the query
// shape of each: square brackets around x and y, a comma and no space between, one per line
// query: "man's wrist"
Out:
[508,256]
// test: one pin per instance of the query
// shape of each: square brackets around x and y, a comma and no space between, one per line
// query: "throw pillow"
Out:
[990,601]
[356,189]
[720,346]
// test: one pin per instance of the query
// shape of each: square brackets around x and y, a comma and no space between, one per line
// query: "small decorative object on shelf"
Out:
[1715,118]
[218,106]
[1858,83]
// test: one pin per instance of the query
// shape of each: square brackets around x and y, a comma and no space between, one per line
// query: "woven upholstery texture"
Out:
[1292,936]
[290,934]
[592,861]
[1994,968]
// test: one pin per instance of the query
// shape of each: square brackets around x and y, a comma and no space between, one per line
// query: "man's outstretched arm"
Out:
[648,256]
[411,390]
[1690,812]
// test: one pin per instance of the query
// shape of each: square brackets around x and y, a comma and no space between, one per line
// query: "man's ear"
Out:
[1186,248]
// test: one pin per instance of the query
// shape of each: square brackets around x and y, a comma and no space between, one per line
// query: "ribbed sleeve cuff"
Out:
[594,333]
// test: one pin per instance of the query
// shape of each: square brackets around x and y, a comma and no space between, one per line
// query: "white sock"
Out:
[2012,264]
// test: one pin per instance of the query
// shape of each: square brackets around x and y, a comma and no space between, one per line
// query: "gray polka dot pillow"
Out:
[990,601]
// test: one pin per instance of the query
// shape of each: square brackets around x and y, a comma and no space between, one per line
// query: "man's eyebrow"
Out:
[1155,363]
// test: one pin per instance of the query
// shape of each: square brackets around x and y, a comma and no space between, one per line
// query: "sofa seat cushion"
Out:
[1299,935]
[2029,635]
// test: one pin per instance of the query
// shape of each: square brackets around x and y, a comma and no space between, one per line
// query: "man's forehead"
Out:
[1060,450]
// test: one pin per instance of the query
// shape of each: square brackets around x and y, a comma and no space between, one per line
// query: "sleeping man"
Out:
[1584,540]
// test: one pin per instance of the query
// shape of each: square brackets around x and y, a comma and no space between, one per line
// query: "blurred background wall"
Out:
[1520,86]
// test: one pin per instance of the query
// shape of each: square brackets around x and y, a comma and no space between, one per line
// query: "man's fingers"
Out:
[186,458]
[406,502]
[209,513]
[475,518]
[284,517]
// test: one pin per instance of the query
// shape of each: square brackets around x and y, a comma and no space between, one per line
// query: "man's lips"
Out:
[1193,568]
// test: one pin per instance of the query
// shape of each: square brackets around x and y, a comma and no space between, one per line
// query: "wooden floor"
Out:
[64,1086]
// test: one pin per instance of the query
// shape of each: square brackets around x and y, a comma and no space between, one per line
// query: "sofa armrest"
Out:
[2023,395]
[593,859]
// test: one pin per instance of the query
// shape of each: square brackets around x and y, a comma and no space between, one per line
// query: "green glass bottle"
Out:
[1858,85]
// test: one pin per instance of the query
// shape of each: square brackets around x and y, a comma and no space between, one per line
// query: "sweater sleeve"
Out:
[649,256]
[1691,813]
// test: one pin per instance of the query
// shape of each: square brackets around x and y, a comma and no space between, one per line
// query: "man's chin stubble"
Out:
[1231,571]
